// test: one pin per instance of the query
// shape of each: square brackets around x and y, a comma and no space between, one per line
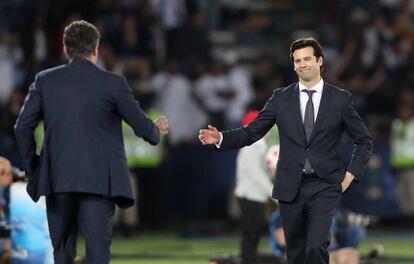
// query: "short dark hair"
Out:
[306,42]
[80,38]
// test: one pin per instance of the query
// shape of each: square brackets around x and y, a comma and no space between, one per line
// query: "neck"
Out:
[311,83]
[92,58]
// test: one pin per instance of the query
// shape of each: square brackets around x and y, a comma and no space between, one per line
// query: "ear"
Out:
[65,51]
[95,52]
[320,61]
[94,56]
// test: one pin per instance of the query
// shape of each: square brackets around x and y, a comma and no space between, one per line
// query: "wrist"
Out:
[349,177]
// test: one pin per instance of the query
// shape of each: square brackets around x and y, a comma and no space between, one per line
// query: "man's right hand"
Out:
[209,135]
[162,123]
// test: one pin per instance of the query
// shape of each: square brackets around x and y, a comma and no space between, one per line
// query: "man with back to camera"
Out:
[311,116]
[82,167]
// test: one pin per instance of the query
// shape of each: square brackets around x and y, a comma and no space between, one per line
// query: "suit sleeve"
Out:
[247,135]
[29,117]
[358,131]
[132,113]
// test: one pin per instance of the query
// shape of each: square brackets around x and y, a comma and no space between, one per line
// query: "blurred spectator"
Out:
[193,45]
[253,189]
[135,38]
[239,82]
[368,49]
[6,178]
[175,99]
[8,115]
[226,91]
[345,238]
[213,88]
[265,78]
[186,195]
[29,241]
[402,156]
[144,162]
[30,237]
[173,14]
[10,56]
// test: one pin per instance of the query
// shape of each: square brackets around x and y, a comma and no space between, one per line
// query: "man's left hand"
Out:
[162,123]
[349,177]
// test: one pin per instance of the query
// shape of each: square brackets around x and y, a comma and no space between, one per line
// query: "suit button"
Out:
[307,149]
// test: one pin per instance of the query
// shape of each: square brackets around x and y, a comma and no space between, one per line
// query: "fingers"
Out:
[202,136]
[162,123]
[202,140]
[208,135]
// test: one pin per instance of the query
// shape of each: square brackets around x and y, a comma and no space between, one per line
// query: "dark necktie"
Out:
[308,123]
[308,120]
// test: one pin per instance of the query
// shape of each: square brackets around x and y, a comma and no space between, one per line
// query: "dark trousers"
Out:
[66,212]
[307,220]
[252,215]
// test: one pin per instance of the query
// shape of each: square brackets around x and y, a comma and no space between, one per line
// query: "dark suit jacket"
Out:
[336,114]
[81,106]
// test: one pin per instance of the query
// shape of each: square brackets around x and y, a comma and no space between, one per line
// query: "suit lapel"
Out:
[297,115]
[322,111]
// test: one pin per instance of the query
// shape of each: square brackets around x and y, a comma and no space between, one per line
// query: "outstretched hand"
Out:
[162,123]
[209,135]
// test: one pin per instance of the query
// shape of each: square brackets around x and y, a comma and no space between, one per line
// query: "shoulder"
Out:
[337,91]
[286,89]
[282,91]
[51,71]
[113,76]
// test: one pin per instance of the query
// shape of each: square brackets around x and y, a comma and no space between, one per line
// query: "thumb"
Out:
[211,127]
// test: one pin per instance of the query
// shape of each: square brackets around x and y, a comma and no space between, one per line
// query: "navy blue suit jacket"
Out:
[336,114]
[82,107]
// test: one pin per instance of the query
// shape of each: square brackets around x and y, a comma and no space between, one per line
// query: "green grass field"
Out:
[167,248]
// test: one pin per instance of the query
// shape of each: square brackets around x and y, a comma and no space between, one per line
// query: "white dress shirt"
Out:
[316,98]
[303,97]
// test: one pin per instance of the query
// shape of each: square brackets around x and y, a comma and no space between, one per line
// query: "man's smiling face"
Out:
[306,65]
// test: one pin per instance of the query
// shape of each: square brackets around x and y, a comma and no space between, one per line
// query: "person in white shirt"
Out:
[253,189]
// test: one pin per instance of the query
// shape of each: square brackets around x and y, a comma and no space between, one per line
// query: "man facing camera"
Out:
[311,116]
[82,167]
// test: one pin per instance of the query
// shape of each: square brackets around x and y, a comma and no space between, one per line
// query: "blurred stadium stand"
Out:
[232,53]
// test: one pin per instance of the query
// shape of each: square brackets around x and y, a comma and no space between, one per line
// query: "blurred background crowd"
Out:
[208,62]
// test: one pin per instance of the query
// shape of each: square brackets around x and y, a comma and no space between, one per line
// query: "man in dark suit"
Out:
[82,167]
[311,116]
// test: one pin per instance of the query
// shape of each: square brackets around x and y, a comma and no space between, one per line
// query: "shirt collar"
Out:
[317,88]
